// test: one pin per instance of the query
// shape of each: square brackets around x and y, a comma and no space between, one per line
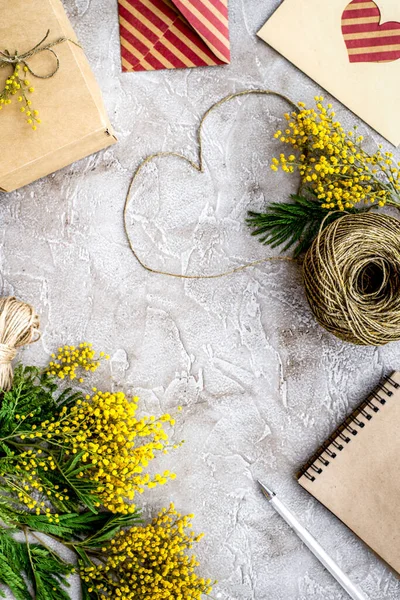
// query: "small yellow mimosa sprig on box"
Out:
[17,85]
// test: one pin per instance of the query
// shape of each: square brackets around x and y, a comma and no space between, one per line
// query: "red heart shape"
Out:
[368,40]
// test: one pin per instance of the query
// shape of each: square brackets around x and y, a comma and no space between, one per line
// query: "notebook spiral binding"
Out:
[349,429]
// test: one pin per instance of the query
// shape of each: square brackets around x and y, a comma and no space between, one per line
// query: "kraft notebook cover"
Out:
[351,49]
[356,473]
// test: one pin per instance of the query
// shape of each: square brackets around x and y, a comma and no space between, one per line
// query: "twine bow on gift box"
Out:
[17,84]
[6,58]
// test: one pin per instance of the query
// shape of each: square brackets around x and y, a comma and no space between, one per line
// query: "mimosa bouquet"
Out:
[71,467]
[337,175]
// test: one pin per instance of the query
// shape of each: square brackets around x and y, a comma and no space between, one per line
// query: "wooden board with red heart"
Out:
[351,48]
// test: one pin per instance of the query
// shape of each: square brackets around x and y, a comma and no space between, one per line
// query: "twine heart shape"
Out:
[199,167]
[366,38]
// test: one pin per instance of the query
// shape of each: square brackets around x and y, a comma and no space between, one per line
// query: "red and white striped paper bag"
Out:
[173,34]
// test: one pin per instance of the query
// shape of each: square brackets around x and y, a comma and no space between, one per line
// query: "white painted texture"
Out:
[261,383]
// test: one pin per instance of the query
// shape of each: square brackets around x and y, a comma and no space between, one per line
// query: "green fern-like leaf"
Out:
[48,574]
[31,394]
[34,397]
[110,528]
[87,528]
[12,578]
[12,564]
[294,223]
[21,562]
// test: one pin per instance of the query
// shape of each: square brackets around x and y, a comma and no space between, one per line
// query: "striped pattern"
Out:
[173,34]
[368,40]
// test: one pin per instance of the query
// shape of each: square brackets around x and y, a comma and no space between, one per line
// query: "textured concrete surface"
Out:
[261,383]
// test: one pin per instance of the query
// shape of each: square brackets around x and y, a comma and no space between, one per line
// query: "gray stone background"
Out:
[261,383]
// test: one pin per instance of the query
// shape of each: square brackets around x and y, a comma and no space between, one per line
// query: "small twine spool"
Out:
[19,325]
[352,278]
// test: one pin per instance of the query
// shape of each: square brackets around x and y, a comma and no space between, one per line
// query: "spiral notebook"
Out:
[356,472]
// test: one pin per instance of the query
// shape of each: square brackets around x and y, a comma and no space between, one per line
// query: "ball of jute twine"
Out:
[352,278]
[19,325]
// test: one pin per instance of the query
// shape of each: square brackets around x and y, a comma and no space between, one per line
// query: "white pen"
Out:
[311,543]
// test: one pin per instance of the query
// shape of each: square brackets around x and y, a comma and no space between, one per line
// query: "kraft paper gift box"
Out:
[74,123]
